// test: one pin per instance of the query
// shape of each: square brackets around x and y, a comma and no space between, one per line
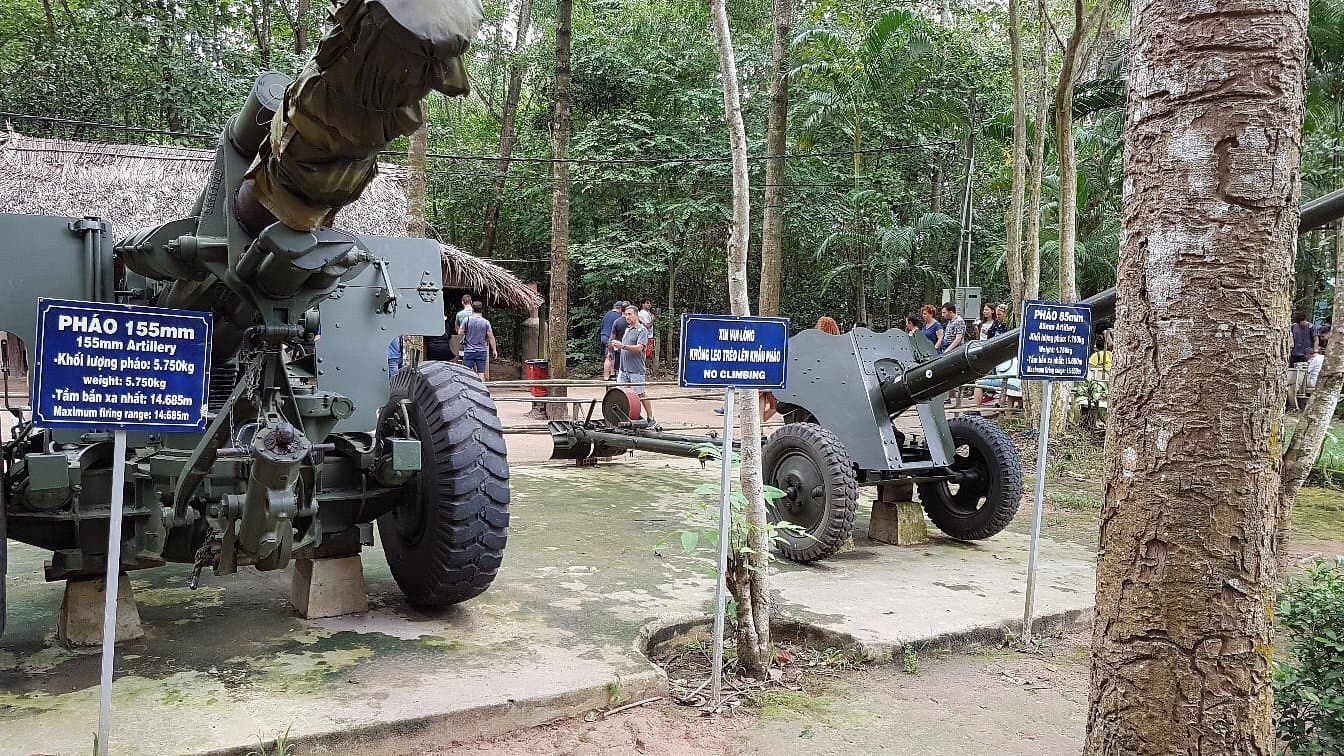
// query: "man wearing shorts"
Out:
[476,338]
[631,346]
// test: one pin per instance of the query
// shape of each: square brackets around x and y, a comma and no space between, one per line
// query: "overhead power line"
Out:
[669,160]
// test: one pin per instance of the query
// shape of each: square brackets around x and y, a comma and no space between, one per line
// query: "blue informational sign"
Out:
[729,351]
[111,366]
[1054,343]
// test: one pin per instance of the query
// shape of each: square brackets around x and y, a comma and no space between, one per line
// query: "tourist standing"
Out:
[933,330]
[1305,337]
[989,325]
[604,338]
[954,333]
[632,346]
[478,342]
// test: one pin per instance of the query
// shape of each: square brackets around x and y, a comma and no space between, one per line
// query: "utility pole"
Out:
[963,273]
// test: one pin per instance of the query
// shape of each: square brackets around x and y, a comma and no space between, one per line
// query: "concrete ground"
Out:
[956,703]
[559,633]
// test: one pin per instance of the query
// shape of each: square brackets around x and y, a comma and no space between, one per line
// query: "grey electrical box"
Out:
[967,299]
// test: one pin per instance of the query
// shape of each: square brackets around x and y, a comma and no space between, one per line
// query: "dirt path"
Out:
[956,704]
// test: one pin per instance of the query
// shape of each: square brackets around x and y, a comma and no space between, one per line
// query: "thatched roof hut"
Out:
[133,186]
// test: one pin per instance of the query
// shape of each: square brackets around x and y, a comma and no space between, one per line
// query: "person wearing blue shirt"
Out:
[609,364]
[478,339]
[933,330]
[393,357]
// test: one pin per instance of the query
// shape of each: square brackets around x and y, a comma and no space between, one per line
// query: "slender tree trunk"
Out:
[1182,651]
[1076,52]
[1013,222]
[1032,395]
[772,222]
[753,612]
[934,257]
[1307,440]
[507,131]
[557,326]
[417,181]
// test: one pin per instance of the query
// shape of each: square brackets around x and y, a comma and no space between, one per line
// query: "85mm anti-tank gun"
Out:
[844,407]
[305,445]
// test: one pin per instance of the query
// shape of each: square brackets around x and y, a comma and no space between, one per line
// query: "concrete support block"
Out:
[80,622]
[328,587]
[897,519]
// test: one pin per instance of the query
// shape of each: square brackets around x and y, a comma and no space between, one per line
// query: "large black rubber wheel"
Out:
[445,538]
[986,488]
[810,465]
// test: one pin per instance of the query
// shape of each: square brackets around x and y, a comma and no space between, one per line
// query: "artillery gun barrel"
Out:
[902,390]
[966,363]
[1321,211]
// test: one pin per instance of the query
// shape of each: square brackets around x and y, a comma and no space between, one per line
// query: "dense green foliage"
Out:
[888,78]
[1309,686]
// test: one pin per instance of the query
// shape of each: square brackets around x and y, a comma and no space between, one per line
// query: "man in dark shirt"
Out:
[1305,335]
[613,316]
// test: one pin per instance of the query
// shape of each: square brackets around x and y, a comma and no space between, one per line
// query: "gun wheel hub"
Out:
[804,500]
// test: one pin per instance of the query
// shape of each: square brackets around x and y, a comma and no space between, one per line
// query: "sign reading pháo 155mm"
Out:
[120,366]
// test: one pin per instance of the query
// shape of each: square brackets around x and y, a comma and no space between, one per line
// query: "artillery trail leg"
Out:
[80,622]
[897,519]
[328,587]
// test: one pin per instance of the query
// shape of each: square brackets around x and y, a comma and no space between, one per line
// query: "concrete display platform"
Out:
[231,664]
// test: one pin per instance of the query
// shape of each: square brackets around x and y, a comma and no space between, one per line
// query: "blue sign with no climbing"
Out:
[734,351]
[1054,343]
[112,366]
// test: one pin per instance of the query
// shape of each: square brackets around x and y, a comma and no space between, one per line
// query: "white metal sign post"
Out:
[1042,443]
[730,352]
[109,366]
[1053,346]
[112,588]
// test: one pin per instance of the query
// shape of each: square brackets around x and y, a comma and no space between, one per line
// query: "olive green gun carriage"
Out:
[308,443]
[844,394]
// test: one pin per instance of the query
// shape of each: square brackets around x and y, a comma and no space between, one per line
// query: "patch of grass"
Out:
[1331,460]
[1076,499]
[909,660]
[1319,513]
[281,747]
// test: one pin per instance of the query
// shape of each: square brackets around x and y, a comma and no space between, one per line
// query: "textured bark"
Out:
[1182,637]
[753,640]
[1013,222]
[508,135]
[1307,440]
[557,326]
[416,181]
[772,221]
[1031,397]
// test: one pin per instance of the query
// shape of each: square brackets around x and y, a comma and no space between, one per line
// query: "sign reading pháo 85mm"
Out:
[120,366]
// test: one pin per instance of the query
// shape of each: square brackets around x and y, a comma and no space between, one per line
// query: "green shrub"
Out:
[1309,686]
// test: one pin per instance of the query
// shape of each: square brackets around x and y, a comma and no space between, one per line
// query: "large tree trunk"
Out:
[753,610]
[772,222]
[1182,649]
[557,325]
[1307,440]
[1013,222]
[508,136]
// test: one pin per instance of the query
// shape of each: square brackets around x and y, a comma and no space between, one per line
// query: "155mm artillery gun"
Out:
[306,446]
[844,397]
